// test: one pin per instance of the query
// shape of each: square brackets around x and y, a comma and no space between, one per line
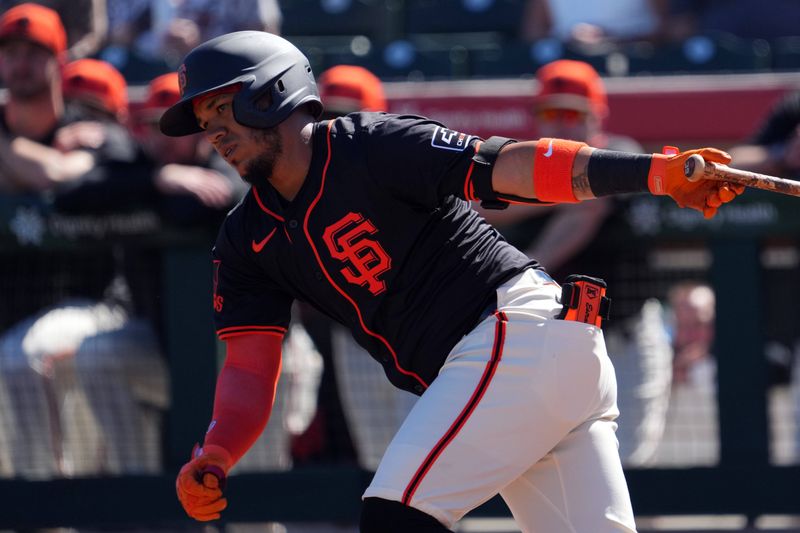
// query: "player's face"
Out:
[252,152]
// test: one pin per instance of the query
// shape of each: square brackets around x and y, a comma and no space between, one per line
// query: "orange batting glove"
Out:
[201,480]
[667,177]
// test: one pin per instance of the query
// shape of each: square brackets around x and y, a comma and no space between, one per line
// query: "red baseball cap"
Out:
[35,23]
[348,88]
[568,84]
[98,83]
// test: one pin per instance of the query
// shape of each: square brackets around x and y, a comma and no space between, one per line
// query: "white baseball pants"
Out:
[524,406]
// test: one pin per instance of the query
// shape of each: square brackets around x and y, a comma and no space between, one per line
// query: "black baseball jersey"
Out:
[379,237]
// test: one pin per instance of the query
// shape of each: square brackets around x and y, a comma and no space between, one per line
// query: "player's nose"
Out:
[214,134]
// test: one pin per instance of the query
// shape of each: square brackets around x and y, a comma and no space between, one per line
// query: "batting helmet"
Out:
[262,63]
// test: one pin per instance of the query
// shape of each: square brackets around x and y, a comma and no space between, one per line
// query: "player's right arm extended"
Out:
[242,405]
[562,171]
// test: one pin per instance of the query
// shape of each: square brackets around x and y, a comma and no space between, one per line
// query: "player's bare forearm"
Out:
[513,172]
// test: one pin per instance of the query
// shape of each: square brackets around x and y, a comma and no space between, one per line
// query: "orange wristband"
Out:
[552,179]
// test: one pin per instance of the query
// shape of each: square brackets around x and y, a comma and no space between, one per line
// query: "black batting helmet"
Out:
[262,63]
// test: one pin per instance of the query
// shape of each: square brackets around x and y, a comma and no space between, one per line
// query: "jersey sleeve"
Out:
[420,160]
[245,300]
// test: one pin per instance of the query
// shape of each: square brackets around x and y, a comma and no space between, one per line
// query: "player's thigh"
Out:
[579,487]
[493,412]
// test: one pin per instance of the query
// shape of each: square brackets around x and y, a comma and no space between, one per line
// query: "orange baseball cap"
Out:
[98,83]
[35,23]
[568,84]
[348,88]
[162,92]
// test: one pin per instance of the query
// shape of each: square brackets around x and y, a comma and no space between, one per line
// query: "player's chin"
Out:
[238,166]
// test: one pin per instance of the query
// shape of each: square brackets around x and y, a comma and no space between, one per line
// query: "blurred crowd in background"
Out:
[84,384]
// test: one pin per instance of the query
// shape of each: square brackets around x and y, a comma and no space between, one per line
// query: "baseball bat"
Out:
[697,168]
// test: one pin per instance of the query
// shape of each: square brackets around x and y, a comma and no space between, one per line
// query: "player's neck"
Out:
[292,168]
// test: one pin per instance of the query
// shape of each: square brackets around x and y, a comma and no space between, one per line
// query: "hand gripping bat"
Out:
[697,168]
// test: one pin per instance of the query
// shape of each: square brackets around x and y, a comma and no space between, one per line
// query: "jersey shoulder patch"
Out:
[449,139]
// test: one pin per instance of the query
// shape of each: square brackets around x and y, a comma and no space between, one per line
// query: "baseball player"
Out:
[367,218]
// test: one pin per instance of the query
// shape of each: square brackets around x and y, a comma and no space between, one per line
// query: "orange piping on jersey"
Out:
[333,283]
[469,189]
[287,235]
[461,419]
[467,184]
[242,330]
[263,207]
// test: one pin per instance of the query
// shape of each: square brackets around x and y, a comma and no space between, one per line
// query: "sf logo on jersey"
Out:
[449,139]
[348,241]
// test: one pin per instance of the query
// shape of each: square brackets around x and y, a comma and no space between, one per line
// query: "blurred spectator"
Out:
[43,356]
[188,177]
[691,434]
[693,311]
[180,37]
[138,24]
[85,21]
[348,88]
[571,103]
[590,238]
[32,46]
[150,37]
[215,18]
[94,360]
[765,19]
[95,90]
[135,30]
[775,148]
[196,21]
[589,22]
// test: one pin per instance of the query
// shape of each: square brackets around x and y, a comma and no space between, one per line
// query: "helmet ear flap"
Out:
[289,88]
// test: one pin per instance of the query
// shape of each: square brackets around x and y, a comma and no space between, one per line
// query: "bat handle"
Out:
[694,167]
[213,477]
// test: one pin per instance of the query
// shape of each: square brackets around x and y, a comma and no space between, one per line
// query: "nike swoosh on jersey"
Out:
[549,151]
[258,246]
